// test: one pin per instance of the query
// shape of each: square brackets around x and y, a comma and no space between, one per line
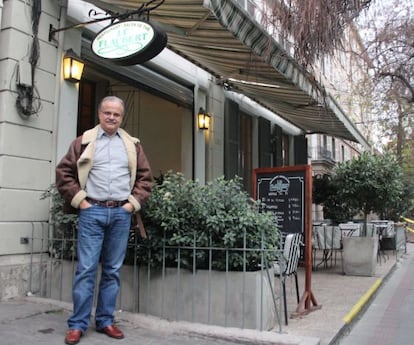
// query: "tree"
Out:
[367,183]
[325,193]
[316,26]
[388,31]
[390,45]
[370,183]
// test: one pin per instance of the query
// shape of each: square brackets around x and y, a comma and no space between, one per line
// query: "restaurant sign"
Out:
[129,42]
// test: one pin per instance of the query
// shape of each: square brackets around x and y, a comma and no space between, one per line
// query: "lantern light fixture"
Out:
[203,119]
[72,66]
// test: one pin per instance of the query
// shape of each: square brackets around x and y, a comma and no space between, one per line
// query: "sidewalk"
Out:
[341,298]
[38,321]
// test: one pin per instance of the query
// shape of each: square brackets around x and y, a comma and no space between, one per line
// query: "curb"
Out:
[230,334]
[367,296]
[362,303]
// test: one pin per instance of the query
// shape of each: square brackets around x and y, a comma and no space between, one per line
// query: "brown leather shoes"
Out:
[73,336]
[112,331]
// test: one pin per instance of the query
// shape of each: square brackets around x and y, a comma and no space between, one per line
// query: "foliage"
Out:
[325,192]
[367,183]
[370,183]
[404,206]
[387,30]
[63,242]
[211,224]
[203,226]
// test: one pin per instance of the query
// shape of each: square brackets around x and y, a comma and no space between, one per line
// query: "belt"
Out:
[107,203]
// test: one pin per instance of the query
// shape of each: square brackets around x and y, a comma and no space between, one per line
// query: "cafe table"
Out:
[326,238]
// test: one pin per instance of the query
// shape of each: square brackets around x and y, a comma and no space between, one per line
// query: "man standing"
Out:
[106,176]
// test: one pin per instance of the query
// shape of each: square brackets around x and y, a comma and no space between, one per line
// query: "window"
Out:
[285,150]
[324,143]
[246,151]
[238,144]
[87,109]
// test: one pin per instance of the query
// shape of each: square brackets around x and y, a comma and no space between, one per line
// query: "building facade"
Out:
[261,109]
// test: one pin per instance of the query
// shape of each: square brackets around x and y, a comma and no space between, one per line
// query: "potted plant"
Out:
[197,235]
[367,183]
[182,212]
[203,238]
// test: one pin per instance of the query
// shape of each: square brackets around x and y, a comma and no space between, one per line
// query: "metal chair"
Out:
[288,265]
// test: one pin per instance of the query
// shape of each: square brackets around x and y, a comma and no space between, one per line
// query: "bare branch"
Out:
[316,26]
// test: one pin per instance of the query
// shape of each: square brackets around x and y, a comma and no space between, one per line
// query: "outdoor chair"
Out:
[327,239]
[288,265]
[350,229]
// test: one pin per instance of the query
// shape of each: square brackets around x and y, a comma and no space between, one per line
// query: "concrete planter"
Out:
[400,238]
[360,255]
[232,299]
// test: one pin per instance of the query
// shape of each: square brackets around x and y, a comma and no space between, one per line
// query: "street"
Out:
[388,318]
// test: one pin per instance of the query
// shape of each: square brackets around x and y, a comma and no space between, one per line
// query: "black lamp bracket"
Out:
[142,11]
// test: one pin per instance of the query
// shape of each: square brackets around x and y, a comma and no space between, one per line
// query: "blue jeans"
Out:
[103,234]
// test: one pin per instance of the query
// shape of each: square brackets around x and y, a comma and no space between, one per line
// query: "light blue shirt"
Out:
[109,177]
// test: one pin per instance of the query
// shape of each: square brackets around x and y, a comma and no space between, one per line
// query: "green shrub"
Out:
[370,183]
[62,244]
[367,183]
[211,224]
[325,193]
[216,225]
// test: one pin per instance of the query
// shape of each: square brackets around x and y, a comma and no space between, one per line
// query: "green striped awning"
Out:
[224,39]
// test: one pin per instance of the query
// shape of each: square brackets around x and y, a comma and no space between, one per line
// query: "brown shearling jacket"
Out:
[73,169]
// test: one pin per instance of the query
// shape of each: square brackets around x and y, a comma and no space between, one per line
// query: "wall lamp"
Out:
[72,66]
[203,119]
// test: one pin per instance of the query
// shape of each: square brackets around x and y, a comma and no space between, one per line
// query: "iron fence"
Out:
[177,290]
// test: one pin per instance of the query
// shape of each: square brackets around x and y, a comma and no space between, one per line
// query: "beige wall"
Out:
[26,142]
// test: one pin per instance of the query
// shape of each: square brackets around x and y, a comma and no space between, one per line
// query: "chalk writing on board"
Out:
[283,195]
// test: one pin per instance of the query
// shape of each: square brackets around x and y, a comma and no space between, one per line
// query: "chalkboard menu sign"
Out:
[282,192]
[287,193]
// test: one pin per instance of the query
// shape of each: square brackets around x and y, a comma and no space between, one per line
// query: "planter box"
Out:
[360,255]
[233,299]
[400,238]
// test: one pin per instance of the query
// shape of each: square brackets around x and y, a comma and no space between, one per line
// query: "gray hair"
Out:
[112,99]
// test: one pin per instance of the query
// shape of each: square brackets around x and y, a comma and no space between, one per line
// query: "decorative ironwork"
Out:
[142,12]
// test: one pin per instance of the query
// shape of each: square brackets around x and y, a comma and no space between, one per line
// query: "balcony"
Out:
[322,160]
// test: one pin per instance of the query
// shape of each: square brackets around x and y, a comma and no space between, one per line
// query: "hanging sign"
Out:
[129,42]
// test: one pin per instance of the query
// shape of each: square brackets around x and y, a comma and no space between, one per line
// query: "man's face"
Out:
[110,116]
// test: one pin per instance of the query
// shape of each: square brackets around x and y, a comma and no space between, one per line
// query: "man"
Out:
[106,176]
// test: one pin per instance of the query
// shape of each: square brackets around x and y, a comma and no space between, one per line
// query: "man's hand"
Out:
[128,207]
[84,204]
